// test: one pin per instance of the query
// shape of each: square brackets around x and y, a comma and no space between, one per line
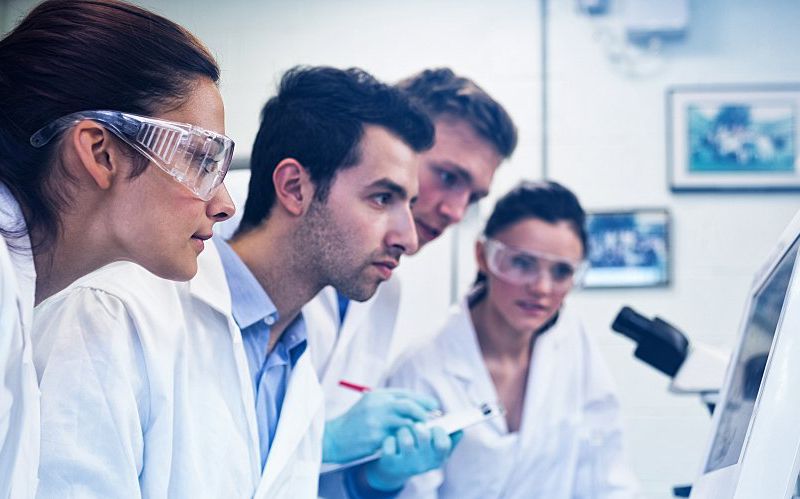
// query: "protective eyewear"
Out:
[520,267]
[195,157]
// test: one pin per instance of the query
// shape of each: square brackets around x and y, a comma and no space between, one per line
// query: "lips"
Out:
[427,232]
[198,241]
[385,268]
[532,308]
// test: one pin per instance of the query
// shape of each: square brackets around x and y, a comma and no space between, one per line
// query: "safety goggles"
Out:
[520,267]
[195,157]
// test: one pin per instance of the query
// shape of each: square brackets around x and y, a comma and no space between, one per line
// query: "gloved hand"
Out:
[412,451]
[380,413]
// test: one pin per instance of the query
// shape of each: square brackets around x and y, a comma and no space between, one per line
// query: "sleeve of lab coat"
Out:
[94,397]
[408,374]
[603,471]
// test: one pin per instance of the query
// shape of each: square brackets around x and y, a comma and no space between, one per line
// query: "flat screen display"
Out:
[748,372]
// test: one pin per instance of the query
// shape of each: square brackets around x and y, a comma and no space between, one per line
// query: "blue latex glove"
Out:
[379,414]
[412,451]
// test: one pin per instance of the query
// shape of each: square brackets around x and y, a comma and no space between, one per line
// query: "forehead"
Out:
[459,146]
[202,108]
[537,236]
[382,155]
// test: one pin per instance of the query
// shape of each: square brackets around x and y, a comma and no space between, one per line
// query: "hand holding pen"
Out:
[380,413]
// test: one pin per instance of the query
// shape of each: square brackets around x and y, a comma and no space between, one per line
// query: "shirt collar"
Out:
[295,339]
[249,302]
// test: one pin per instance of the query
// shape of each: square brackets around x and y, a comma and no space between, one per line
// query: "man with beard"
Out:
[357,342]
[225,377]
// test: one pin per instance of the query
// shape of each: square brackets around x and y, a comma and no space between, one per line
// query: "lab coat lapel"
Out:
[300,407]
[466,363]
[544,387]
[211,287]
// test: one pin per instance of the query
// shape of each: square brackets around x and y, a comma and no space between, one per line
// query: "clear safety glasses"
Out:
[520,267]
[195,157]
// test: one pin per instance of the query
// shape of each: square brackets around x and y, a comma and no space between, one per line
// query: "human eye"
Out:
[382,198]
[562,271]
[212,166]
[206,156]
[524,263]
[447,178]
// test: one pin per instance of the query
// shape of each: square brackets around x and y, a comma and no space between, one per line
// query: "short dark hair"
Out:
[442,93]
[318,118]
[77,55]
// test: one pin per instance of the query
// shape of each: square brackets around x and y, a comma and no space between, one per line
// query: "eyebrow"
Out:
[390,185]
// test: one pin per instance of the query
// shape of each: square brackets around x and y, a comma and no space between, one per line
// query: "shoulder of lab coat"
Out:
[94,395]
[603,467]
[420,368]
[357,350]
[122,356]
[19,400]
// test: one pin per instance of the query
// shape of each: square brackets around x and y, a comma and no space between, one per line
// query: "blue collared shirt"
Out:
[255,314]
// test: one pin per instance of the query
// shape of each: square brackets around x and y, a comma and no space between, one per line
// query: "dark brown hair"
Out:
[318,118]
[75,55]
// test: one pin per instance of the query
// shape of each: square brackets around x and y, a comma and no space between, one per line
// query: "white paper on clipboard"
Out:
[450,423]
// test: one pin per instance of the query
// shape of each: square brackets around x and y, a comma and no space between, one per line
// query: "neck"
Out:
[278,267]
[76,252]
[496,338]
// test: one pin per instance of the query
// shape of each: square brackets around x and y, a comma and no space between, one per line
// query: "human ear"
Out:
[293,187]
[96,152]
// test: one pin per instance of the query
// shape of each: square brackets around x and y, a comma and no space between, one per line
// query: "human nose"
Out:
[454,206]
[403,234]
[220,207]
[541,282]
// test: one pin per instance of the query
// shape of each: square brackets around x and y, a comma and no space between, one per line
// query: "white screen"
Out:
[737,409]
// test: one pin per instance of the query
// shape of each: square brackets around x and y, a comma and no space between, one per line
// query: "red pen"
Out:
[354,386]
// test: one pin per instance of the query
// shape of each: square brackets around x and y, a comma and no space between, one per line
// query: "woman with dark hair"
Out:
[513,342]
[111,148]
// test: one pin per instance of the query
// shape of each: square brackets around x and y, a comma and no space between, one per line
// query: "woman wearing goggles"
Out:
[82,186]
[513,340]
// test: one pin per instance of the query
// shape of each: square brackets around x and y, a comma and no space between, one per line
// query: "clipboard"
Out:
[450,423]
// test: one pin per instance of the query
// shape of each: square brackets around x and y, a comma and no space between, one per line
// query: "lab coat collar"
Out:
[466,362]
[209,285]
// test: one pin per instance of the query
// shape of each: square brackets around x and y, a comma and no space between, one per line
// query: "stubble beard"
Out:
[332,256]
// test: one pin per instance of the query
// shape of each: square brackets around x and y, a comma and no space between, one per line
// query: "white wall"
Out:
[606,141]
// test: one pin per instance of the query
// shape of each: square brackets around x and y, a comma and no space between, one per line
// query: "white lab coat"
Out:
[19,391]
[146,392]
[570,441]
[357,350]
[403,312]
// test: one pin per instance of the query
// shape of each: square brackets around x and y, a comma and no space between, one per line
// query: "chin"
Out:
[178,271]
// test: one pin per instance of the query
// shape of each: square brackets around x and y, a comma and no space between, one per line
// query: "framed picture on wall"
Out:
[628,248]
[733,138]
